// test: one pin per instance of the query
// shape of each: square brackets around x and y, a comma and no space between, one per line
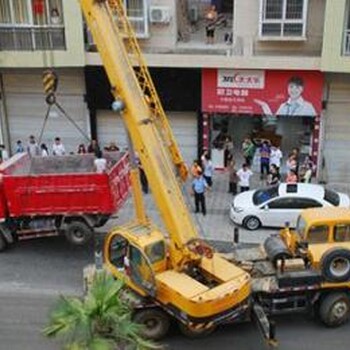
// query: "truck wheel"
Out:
[335,265]
[335,309]
[251,223]
[3,243]
[195,332]
[78,232]
[155,323]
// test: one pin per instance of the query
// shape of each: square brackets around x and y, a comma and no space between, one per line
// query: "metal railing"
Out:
[346,43]
[32,38]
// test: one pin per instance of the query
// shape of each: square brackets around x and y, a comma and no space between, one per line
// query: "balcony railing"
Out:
[346,43]
[32,38]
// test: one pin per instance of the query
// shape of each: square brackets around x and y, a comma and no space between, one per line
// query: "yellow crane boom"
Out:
[143,116]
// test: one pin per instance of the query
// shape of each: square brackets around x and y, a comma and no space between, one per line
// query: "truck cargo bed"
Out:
[63,185]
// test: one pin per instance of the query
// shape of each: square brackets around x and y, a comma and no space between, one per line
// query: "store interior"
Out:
[287,132]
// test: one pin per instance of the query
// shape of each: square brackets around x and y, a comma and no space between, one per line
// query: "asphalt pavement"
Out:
[34,273]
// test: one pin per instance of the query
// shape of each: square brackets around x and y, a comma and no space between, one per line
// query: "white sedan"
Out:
[277,205]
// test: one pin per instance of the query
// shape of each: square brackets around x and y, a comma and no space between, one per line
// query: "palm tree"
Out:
[99,321]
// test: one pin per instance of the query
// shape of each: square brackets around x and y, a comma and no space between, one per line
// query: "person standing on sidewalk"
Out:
[265,152]
[199,186]
[244,174]
[208,170]
[233,178]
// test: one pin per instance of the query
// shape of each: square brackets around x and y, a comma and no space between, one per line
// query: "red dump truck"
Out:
[44,196]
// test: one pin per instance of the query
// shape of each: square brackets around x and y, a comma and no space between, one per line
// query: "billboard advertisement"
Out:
[262,92]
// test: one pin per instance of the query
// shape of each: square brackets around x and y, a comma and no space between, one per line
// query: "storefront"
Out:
[179,91]
[283,107]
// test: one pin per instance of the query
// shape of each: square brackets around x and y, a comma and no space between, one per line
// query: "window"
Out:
[283,18]
[261,196]
[318,234]
[282,203]
[342,233]
[331,197]
[346,39]
[303,203]
[31,25]
[137,14]
[155,251]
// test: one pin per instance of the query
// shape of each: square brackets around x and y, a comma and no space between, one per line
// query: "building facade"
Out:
[236,84]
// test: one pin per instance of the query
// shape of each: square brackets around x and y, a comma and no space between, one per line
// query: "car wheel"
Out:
[335,309]
[251,223]
[336,265]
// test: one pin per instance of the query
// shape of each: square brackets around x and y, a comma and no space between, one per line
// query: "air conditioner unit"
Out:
[159,14]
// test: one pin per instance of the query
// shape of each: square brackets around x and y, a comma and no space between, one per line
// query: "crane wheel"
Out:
[155,323]
[192,332]
[334,309]
[335,265]
[78,232]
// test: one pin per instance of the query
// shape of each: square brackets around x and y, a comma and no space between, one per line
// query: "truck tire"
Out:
[3,243]
[155,323]
[194,333]
[334,309]
[78,232]
[251,223]
[335,265]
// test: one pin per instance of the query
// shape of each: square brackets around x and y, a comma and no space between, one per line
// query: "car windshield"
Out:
[332,197]
[263,195]
[300,228]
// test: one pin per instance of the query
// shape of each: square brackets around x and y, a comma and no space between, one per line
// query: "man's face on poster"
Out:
[295,90]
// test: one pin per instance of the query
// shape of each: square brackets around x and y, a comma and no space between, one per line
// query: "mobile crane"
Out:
[181,277]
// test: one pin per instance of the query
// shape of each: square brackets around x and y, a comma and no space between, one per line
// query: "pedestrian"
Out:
[112,147]
[291,163]
[265,152]
[3,153]
[199,186]
[19,147]
[33,147]
[292,177]
[211,17]
[208,170]
[203,160]
[307,174]
[233,178]
[276,156]
[274,176]
[244,174]
[93,147]
[228,150]
[44,150]
[81,149]
[100,163]
[248,149]
[196,168]
[58,148]
[296,153]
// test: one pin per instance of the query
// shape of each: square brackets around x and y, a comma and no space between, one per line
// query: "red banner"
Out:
[287,93]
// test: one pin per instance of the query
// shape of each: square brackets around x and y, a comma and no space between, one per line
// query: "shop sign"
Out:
[262,92]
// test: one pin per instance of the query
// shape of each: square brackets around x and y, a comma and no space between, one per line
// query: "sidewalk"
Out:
[216,225]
